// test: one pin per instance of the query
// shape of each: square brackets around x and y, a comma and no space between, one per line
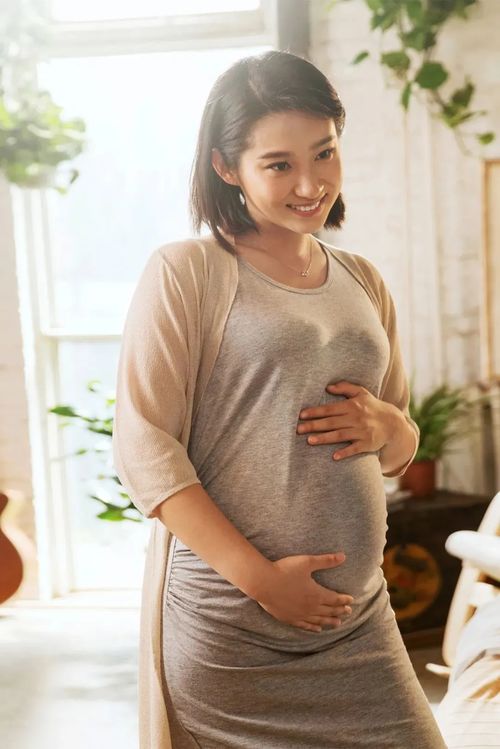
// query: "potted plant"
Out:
[435,415]
[115,504]
[34,138]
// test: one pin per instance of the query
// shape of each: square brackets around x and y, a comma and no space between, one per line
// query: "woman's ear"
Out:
[221,169]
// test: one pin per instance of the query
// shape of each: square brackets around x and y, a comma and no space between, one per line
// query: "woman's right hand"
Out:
[294,597]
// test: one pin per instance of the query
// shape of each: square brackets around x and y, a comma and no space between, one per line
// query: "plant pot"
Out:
[419,478]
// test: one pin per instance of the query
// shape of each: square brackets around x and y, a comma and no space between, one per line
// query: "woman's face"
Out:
[293,161]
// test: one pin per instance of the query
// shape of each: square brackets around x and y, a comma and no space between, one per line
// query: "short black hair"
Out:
[254,86]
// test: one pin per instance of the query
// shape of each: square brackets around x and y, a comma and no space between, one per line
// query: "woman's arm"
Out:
[395,390]
[401,447]
[195,519]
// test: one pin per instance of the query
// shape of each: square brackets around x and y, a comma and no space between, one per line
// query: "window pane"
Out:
[100,10]
[105,554]
[142,113]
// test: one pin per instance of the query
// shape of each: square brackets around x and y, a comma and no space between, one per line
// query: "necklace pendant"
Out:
[305,273]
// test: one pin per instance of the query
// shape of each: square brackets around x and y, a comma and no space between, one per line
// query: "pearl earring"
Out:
[242,198]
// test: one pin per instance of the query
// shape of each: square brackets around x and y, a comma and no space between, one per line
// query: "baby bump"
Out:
[338,507]
[217,615]
[348,515]
[352,517]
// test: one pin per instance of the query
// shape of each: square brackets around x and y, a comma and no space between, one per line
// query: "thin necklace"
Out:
[302,272]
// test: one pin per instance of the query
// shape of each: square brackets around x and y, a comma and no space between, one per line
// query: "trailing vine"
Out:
[417,24]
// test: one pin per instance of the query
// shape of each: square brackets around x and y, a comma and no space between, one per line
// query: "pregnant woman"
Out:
[261,398]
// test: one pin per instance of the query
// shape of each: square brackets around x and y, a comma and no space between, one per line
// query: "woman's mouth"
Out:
[308,210]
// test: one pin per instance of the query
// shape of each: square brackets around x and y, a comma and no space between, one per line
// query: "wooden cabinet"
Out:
[421,575]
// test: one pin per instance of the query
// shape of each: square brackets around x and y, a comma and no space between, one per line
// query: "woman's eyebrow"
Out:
[278,154]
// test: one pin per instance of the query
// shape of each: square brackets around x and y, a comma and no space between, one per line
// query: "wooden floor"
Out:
[68,674]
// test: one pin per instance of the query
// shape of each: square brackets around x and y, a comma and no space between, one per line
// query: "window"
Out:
[140,90]
[96,10]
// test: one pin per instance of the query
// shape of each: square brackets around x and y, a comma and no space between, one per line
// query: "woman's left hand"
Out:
[361,418]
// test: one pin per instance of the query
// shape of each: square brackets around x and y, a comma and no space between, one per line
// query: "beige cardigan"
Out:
[170,342]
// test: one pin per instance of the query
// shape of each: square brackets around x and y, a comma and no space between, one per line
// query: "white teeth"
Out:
[304,208]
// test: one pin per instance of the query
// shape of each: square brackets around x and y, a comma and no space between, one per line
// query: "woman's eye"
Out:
[328,151]
[275,167]
[279,163]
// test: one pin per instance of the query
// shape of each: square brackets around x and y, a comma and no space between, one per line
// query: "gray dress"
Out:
[238,678]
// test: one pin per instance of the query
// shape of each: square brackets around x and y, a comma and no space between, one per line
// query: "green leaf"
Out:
[386,17]
[485,138]
[398,60]
[462,96]
[457,118]
[405,96]
[460,7]
[360,57]
[431,75]
[414,10]
[113,515]
[419,39]
[64,411]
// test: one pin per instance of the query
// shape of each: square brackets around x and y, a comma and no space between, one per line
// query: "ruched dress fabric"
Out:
[239,678]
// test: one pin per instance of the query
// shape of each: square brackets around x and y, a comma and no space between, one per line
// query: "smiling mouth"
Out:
[307,207]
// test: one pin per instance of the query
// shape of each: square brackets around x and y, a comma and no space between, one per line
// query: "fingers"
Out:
[339,602]
[308,627]
[335,621]
[332,619]
[336,611]
[315,627]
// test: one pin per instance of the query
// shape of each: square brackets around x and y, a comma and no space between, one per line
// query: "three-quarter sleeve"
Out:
[395,388]
[151,406]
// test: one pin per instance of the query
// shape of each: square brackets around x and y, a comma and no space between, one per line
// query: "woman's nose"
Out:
[308,187]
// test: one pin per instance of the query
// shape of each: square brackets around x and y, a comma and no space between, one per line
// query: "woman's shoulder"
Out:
[178,250]
[365,270]
[191,252]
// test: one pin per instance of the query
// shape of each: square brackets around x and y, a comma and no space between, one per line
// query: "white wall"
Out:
[414,200]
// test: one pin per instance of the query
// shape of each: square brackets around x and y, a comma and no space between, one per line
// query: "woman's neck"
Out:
[289,248]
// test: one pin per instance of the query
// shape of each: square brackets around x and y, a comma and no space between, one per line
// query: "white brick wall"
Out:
[414,201]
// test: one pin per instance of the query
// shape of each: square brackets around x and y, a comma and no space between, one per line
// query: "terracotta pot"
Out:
[419,478]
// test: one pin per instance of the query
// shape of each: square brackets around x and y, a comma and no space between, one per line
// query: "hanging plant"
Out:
[34,138]
[417,24]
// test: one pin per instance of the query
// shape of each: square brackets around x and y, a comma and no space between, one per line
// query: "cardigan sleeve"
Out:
[150,407]
[395,388]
